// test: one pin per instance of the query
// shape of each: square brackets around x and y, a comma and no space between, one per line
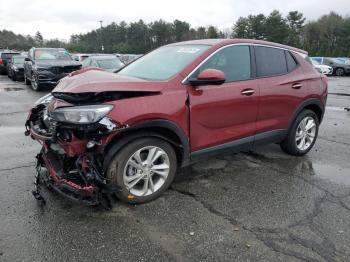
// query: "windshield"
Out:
[112,63]
[164,62]
[314,62]
[52,54]
[18,60]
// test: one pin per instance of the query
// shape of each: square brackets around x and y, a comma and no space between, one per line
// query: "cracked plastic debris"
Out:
[108,123]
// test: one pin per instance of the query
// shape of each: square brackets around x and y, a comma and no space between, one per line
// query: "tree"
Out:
[252,27]
[181,30]
[39,40]
[276,28]
[201,32]
[295,21]
[212,32]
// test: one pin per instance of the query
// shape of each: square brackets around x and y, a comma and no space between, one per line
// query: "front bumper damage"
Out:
[71,158]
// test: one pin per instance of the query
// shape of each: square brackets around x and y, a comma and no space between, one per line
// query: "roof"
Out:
[102,56]
[223,42]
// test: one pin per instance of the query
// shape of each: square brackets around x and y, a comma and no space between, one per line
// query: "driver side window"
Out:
[234,61]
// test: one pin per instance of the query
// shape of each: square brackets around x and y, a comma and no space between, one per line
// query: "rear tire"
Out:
[143,170]
[302,134]
[340,72]
[26,81]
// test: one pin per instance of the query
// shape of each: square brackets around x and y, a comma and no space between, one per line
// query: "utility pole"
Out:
[102,47]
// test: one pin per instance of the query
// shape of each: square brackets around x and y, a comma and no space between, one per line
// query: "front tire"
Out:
[143,170]
[302,135]
[36,86]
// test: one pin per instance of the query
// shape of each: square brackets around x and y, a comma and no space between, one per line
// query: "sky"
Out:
[62,18]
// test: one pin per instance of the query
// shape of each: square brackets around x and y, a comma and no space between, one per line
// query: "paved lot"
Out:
[257,206]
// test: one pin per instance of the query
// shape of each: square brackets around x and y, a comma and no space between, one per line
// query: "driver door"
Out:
[223,116]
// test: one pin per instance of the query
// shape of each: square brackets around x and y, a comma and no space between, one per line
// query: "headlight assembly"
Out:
[81,114]
[44,99]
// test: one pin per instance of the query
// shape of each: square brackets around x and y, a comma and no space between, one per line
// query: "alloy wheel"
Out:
[146,171]
[305,133]
[339,72]
[34,83]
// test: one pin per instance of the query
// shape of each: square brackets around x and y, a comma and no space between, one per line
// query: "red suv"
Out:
[128,132]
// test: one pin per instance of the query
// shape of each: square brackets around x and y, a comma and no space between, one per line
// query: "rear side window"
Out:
[270,61]
[234,61]
[291,63]
[8,55]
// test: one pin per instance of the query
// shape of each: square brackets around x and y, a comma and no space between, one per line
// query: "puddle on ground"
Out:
[9,89]
[334,174]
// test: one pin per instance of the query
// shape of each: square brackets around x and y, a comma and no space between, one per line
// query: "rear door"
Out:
[282,87]
[227,112]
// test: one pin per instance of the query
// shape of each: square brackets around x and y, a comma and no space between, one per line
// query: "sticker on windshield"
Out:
[189,50]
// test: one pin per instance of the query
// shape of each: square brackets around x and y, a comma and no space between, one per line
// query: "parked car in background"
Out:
[127,133]
[323,69]
[5,57]
[128,58]
[80,57]
[339,67]
[44,67]
[345,60]
[110,63]
[16,67]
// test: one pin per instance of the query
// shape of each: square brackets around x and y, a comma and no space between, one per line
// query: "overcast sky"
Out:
[61,18]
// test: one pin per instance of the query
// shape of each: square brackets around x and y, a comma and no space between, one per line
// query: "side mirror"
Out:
[209,77]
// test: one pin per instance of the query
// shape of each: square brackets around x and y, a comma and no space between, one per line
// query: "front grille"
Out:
[63,69]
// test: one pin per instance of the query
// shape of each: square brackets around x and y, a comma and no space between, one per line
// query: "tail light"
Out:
[1,61]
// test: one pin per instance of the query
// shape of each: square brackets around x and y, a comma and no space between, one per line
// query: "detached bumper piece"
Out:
[65,164]
[83,185]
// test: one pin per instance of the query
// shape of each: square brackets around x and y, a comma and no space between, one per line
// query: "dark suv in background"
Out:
[15,69]
[5,57]
[44,67]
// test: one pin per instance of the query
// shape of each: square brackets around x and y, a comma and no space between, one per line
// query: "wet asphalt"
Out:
[258,206]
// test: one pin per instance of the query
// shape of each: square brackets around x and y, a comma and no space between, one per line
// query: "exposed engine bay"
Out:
[71,134]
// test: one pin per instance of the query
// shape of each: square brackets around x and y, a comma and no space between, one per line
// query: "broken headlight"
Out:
[81,114]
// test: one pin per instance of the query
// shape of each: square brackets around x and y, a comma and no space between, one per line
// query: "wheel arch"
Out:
[312,104]
[163,129]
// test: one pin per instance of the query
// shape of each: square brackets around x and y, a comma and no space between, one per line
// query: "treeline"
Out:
[10,40]
[139,37]
[327,36]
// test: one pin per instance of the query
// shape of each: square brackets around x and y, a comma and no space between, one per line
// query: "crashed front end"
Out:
[71,133]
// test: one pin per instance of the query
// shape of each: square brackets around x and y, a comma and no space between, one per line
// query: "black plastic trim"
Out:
[308,102]
[274,136]
[144,131]
[232,146]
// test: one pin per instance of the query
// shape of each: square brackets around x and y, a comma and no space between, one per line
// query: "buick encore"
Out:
[127,133]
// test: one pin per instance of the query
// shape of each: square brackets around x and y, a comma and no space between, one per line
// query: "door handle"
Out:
[296,86]
[248,92]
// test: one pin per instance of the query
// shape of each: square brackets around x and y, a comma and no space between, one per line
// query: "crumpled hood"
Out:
[97,81]
[50,63]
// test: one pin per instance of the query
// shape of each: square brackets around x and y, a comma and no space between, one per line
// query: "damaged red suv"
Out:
[128,132]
